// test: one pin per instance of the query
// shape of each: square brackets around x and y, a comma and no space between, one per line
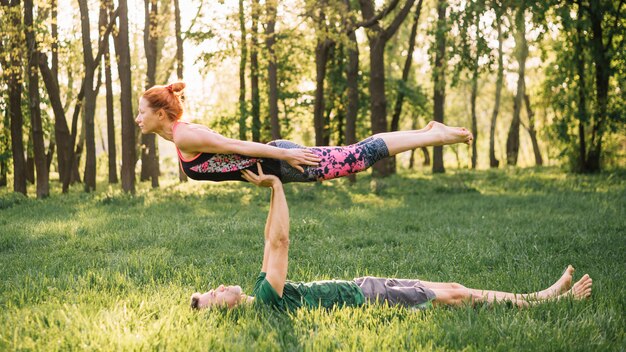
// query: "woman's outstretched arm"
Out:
[195,140]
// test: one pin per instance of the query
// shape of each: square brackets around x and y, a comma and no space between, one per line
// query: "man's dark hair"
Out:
[195,301]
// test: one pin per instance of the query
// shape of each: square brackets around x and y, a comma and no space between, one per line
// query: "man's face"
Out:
[223,296]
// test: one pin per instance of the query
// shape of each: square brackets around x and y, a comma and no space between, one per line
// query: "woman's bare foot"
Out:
[450,135]
[581,289]
[561,285]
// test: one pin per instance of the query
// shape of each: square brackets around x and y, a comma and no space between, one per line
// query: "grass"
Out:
[108,271]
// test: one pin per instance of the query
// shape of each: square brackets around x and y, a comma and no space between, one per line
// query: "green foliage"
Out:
[111,271]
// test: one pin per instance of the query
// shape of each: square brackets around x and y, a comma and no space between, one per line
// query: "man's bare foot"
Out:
[581,289]
[561,285]
[450,135]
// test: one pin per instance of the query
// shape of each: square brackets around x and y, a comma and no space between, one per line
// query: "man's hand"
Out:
[296,157]
[261,180]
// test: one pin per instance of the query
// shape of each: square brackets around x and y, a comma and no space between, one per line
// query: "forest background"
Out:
[538,83]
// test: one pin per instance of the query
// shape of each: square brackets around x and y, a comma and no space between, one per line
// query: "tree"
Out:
[272,74]
[242,73]
[14,39]
[439,79]
[122,49]
[179,66]
[493,161]
[43,185]
[377,38]
[254,73]
[149,154]
[395,119]
[106,6]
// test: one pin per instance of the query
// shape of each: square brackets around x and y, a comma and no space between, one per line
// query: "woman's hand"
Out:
[296,157]
[261,180]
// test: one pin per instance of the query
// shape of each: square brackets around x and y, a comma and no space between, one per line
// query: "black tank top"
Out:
[224,167]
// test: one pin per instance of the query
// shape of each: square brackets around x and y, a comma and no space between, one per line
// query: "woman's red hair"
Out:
[169,98]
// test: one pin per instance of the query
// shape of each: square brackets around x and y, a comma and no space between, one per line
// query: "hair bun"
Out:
[177,86]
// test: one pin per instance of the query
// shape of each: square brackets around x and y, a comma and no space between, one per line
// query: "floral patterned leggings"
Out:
[335,161]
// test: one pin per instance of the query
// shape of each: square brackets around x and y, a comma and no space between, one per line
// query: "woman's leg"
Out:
[434,134]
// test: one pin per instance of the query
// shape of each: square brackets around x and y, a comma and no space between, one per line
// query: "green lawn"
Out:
[108,271]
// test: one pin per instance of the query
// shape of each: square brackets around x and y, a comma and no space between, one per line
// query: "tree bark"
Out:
[512,141]
[242,73]
[439,80]
[105,8]
[149,156]
[254,73]
[6,122]
[473,97]
[43,184]
[65,150]
[15,101]
[378,37]
[122,50]
[179,67]
[322,52]
[272,69]
[352,86]
[532,132]
[89,98]
[397,111]
[493,161]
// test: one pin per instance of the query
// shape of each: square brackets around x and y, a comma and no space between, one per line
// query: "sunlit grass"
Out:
[109,271]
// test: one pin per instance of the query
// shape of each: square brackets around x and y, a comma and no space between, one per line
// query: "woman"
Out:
[207,155]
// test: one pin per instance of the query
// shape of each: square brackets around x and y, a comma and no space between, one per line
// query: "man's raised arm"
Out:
[275,257]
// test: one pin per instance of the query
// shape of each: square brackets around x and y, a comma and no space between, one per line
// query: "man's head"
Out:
[223,296]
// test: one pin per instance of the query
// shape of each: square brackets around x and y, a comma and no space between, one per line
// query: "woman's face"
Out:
[147,119]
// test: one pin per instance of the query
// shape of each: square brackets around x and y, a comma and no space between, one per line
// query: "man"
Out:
[273,289]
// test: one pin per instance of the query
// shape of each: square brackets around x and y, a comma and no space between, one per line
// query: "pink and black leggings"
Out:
[336,161]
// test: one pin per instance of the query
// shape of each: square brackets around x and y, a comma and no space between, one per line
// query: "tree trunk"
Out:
[439,80]
[105,7]
[6,122]
[378,38]
[89,99]
[179,67]
[473,97]
[149,158]
[65,150]
[254,73]
[493,161]
[242,73]
[583,116]
[602,62]
[122,50]
[43,184]
[397,111]
[322,51]
[15,101]
[352,85]
[512,141]
[272,69]
[532,132]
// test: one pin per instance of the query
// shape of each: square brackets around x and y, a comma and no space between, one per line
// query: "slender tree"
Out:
[322,55]
[43,185]
[149,155]
[106,6]
[122,50]
[521,49]
[439,79]
[254,73]
[378,38]
[242,73]
[179,65]
[272,67]
[397,110]
[493,161]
